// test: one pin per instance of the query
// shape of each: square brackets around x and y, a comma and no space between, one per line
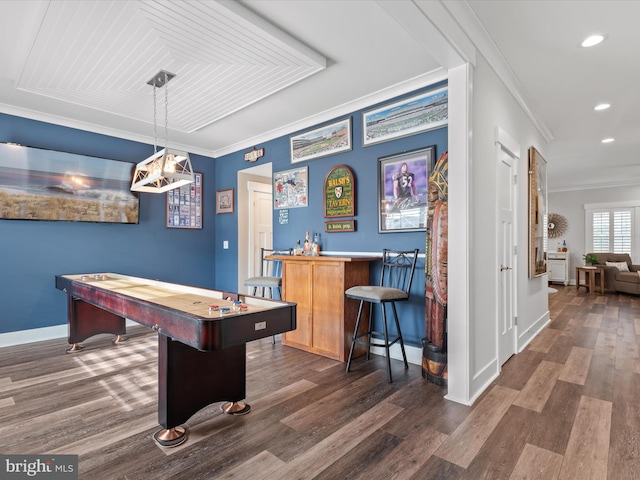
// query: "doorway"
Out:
[255,219]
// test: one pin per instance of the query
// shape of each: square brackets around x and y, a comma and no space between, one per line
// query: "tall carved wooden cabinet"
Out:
[325,317]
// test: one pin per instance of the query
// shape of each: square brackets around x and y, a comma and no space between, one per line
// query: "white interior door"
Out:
[261,224]
[506,302]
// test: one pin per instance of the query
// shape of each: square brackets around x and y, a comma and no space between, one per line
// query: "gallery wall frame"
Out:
[339,192]
[291,188]
[402,190]
[39,184]
[538,213]
[184,205]
[322,141]
[224,201]
[416,114]
[342,226]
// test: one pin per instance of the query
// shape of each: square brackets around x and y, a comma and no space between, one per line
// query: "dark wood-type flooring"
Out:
[567,407]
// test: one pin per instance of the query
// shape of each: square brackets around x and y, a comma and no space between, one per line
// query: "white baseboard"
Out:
[34,335]
[21,337]
[414,354]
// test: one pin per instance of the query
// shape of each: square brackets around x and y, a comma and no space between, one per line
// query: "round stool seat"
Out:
[371,293]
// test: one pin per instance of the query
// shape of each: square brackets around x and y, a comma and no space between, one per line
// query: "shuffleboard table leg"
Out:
[170,437]
[190,379]
[235,408]
[86,320]
[74,347]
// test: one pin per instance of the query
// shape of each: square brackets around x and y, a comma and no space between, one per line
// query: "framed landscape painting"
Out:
[416,114]
[327,140]
[37,184]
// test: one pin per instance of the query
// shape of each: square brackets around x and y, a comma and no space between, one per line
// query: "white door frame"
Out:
[257,174]
[508,268]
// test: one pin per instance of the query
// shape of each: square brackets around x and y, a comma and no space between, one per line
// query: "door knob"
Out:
[502,268]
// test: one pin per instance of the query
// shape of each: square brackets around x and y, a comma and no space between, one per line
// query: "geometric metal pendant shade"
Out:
[162,171]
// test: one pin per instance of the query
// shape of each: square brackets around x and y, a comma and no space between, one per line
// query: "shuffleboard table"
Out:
[202,336]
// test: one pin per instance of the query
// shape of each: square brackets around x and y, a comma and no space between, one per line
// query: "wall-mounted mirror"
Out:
[537,214]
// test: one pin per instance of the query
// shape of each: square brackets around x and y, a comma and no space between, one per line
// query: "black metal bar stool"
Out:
[395,284]
[270,275]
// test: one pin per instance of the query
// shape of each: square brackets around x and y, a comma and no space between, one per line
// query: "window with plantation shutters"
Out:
[622,231]
[600,222]
[610,230]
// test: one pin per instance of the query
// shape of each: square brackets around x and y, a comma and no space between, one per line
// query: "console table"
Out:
[325,317]
[558,267]
[590,274]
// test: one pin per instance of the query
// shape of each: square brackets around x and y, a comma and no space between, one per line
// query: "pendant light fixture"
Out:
[168,168]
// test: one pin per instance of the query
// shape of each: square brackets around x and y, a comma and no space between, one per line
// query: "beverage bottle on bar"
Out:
[315,246]
[307,245]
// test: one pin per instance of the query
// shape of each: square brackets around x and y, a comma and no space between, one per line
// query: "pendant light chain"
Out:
[166,111]
[155,135]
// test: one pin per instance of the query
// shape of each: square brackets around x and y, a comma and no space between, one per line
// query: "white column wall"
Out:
[493,106]
[460,192]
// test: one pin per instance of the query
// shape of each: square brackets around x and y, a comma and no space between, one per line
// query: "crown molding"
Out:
[574,188]
[468,21]
[408,86]
[402,88]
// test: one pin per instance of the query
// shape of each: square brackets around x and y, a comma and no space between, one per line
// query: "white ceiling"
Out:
[252,70]
[540,41]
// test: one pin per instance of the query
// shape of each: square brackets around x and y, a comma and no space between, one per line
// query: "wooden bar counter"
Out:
[325,317]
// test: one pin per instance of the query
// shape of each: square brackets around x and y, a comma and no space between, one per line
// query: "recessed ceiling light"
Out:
[592,40]
[608,140]
[602,106]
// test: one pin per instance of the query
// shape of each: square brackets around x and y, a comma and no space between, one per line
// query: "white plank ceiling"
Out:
[251,70]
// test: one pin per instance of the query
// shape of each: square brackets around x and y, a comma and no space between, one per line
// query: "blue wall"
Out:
[363,161]
[33,252]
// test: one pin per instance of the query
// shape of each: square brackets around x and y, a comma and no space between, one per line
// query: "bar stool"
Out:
[270,275]
[395,285]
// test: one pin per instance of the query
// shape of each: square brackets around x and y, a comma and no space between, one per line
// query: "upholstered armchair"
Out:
[616,277]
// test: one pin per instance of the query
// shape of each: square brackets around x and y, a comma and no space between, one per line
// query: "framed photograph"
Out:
[290,188]
[38,184]
[402,190]
[423,112]
[224,201]
[184,205]
[322,141]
